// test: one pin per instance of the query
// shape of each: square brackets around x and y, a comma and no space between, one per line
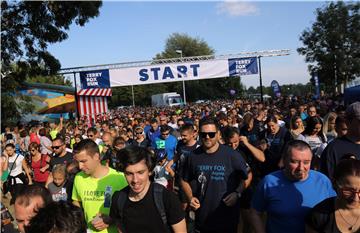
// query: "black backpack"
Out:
[158,199]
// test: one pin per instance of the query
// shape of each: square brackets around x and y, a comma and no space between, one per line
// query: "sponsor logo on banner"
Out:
[276,88]
[243,66]
[95,79]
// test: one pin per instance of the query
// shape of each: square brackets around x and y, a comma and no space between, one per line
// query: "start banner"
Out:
[173,72]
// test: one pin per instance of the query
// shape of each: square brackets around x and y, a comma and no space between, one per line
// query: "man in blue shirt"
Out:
[165,141]
[289,194]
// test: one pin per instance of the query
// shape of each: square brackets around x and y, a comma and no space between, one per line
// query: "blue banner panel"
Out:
[276,88]
[243,66]
[95,79]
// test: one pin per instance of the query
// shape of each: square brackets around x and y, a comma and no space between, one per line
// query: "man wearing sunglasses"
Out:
[60,156]
[215,172]
[165,141]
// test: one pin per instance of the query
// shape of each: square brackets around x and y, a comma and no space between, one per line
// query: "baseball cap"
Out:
[353,111]
[160,155]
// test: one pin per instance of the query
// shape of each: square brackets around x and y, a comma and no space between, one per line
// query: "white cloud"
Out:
[236,8]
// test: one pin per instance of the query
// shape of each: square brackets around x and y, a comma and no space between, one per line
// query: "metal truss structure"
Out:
[267,53]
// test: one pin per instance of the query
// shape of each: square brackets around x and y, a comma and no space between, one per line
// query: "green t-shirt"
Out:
[53,134]
[95,194]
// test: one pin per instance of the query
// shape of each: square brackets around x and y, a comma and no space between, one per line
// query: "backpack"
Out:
[158,199]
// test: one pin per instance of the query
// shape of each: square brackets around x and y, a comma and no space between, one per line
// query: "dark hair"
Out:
[311,122]
[230,132]
[293,121]
[132,154]
[23,133]
[118,140]
[295,144]
[61,139]
[10,145]
[271,118]
[346,167]
[208,121]
[92,130]
[186,127]
[42,132]
[59,217]
[153,120]
[27,192]
[164,128]
[34,145]
[88,145]
[247,118]
[340,120]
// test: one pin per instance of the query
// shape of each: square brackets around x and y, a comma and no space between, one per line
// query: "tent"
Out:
[61,104]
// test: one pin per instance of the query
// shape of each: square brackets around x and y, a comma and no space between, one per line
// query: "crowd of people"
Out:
[291,165]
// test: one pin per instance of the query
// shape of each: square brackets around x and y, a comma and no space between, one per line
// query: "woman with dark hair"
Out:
[315,137]
[249,130]
[277,137]
[39,164]
[341,213]
[297,128]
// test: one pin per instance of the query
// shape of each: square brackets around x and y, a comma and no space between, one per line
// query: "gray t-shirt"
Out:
[58,193]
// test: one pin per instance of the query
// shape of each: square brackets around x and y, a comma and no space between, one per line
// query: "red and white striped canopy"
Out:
[92,106]
[95,92]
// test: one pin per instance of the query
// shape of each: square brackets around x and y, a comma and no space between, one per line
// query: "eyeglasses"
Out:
[56,147]
[349,192]
[205,134]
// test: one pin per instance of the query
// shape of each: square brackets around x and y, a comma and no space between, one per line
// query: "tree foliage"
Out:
[332,44]
[27,28]
[215,88]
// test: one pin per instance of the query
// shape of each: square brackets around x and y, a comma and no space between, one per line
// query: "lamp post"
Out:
[179,51]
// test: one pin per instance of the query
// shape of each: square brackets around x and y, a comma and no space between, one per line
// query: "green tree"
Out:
[27,28]
[332,44]
[51,79]
[215,88]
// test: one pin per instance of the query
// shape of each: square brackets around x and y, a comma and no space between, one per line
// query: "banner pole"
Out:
[133,96]
[76,98]
[261,86]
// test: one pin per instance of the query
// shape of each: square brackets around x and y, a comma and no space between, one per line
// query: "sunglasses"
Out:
[138,132]
[205,134]
[90,135]
[56,147]
[33,150]
[164,134]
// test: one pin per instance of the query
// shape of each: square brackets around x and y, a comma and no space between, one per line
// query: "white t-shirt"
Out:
[161,176]
[17,168]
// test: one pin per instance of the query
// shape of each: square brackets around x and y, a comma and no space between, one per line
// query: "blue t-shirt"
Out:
[287,202]
[169,144]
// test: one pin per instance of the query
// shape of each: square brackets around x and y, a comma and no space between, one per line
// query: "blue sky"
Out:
[137,31]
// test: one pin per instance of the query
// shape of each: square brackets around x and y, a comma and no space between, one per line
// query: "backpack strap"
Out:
[122,196]
[159,201]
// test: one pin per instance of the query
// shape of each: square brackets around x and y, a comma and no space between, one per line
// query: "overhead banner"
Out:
[187,71]
[243,66]
[276,88]
[95,79]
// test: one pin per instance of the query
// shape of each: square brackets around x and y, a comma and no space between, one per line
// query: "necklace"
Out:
[350,228]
